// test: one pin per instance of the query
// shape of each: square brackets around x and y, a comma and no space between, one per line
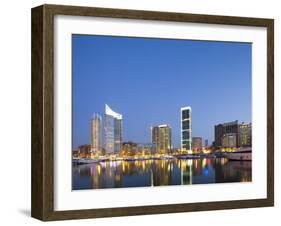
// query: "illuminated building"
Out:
[224,128]
[186,142]
[75,153]
[147,148]
[84,151]
[245,135]
[129,148]
[229,140]
[96,134]
[196,144]
[113,131]
[161,137]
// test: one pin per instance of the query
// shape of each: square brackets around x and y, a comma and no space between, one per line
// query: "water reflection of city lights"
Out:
[206,171]
[190,175]
[245,179]
[223,161]
[99,169]
[157,172]
[103,164]
[196,163]
[117,178]
[203,163]
[179,163]
[183,164]
[189,162]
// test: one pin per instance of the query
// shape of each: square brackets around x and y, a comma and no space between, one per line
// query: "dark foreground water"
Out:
[159,172]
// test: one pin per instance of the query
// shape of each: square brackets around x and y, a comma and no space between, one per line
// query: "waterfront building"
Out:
[224,128]
[84,151]
[206,143]
[129,148]
[196,144]
[229,140]
[96,133]
[161,138]
[146,148]
[245,135]
[113,131]
[75,153]
[186,140]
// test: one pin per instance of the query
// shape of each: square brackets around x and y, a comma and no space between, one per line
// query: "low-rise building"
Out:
[84,151]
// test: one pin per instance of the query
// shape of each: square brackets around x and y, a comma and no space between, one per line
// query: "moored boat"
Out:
[241,154]
[84,161]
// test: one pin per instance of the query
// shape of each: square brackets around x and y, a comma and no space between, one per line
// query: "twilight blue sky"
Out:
[148,80]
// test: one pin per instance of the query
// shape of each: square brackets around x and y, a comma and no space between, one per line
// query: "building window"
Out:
[185,135]
[185,114]
[185,125]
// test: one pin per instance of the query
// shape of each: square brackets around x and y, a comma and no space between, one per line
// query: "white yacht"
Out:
[241,154]
[86,161]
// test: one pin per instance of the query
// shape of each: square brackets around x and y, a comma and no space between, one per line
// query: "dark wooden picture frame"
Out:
[42,203]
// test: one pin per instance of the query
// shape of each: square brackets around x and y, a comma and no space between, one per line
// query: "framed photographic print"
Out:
[141,112]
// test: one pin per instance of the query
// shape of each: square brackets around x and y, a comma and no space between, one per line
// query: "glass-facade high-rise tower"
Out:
[96,133]
[113,131]
[186,139]
[161,137]
[245,135]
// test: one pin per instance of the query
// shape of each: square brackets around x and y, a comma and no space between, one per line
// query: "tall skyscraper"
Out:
[186,142]
[113,131]
[161,137]
[96,133]
[245,135]
[224,128]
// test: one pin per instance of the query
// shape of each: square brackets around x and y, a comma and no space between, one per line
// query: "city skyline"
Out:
[140,94]
[161,134]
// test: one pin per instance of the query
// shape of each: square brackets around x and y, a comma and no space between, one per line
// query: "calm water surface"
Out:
[159,172]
